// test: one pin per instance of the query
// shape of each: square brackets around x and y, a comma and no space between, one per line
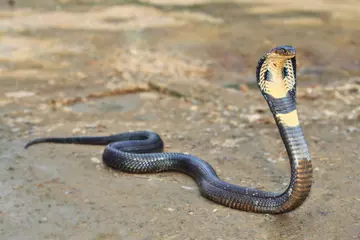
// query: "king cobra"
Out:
[141,151]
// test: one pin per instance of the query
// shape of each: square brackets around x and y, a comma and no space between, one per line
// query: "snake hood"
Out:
[276,77]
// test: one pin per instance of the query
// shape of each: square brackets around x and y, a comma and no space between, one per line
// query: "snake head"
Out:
[282,52]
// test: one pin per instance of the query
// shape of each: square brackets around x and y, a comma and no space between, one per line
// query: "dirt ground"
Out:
[184,69]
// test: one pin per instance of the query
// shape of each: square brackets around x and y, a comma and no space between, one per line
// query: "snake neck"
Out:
[300,161]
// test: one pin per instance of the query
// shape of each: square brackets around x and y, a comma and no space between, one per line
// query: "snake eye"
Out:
[281,51]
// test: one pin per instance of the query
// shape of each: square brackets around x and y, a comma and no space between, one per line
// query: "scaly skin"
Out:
[141,152]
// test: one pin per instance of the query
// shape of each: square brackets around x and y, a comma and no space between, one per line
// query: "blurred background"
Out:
[185,69]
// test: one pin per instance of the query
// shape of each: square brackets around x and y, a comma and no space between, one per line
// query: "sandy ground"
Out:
[184,69]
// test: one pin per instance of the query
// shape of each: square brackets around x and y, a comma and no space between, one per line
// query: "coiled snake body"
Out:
[141,152]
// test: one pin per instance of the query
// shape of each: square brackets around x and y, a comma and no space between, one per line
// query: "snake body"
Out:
[141,152]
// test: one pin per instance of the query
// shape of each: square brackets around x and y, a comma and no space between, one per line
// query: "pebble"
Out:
[88,201]
[43,220]
[52,82]
[76,130]
[19,94]
[43,107]
[194,108]
[329,113]
[95,160]
[4,102]
[187,188]
[243,88]
[324,213]
[15,130]
[81,75]
[233,123]
[66,109]
[232,108]
[69,192]
[92,125]
[230,143]
[149,96]
[352,129]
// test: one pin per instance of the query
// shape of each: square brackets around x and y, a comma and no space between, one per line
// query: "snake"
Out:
[142,151]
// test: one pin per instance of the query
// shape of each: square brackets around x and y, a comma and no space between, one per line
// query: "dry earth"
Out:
[184,69]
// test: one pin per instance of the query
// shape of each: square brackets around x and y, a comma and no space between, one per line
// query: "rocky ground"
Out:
[185,69]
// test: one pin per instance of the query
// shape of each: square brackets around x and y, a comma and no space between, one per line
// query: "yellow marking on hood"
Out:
[289,119]
[290,78]
[276,86]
